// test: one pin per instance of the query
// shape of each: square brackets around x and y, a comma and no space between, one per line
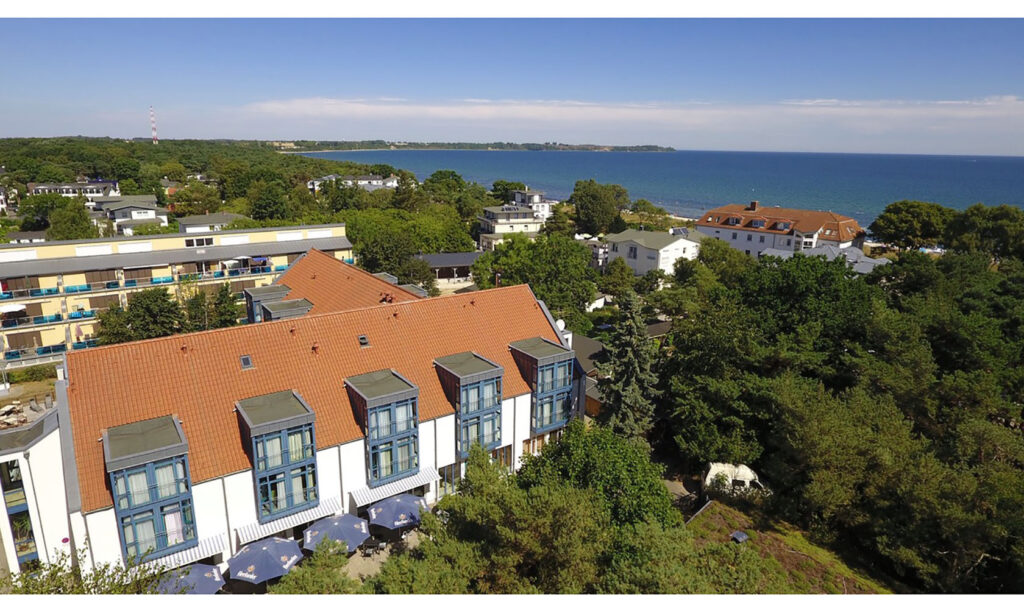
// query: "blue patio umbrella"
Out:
[398,511]
[264,560]
[348,529]
[194,579]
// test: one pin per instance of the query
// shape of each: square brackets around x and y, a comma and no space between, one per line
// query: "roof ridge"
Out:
[304,318]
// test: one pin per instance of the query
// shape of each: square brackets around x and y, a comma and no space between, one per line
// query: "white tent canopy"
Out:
[11,308]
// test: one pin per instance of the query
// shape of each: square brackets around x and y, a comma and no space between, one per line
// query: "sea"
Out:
[687,183]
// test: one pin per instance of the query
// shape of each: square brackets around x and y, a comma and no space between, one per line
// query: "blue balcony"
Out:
[162,280]
[6,295]
[81,288]
[218,274]
[280,268]
[113,284]
[82,314]
[49,318]
[51,350]
[43,292]
[130,283]
[85,345]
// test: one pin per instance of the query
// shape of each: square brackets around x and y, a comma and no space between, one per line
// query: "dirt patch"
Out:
[360,567]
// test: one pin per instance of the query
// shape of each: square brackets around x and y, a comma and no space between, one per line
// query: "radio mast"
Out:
[152,123]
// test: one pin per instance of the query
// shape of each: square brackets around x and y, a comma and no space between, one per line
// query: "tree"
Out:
[35,210]
[618,470]
[408,195]
[319,574]
[911,224]
[618,278]
[71,222]
[338,196]
[300,202]
[195,199]
[502,190]
[998,231]
[225,311]
[650,282]
[597,205]
[151,313]
[196,309]
[556,268]
[727,263]
[650,216]
[63,577]
[627,381]
[266,200]
[444,186]
[559,223]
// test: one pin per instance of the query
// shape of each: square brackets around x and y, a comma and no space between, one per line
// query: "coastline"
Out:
[471,150]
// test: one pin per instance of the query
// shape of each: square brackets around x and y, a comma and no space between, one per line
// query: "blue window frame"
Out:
[394,459]
[552,396]
[391,420]
[284,464]
[153,503]
[480,415]
[392,441]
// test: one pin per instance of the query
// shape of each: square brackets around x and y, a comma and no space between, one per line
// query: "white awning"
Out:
[205,548]
[242,257]
[11,308]
[252,532]
[230,262]
[365,496]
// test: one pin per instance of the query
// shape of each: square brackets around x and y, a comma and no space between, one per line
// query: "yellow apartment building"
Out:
[51,292]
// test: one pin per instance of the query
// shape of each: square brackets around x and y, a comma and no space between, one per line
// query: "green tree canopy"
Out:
[628,381]
[151,313]
[998,231]
[71,222]
[618,278]
[597,205]
[912,224]
[196,199]
[35,210]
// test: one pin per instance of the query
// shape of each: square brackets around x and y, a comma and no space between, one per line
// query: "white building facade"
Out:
[755,228]
[645,251]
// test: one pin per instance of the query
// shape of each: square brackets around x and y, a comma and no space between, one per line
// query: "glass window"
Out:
[291,483]
[405,418]
[138,487]
[449,478]
[491,394]
[733,235]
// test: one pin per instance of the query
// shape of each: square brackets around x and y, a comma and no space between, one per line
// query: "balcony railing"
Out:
[474,405]
[86,344]
[68,290]
[147,282]
[30,321]
[81,314]
[14,497]
[16,354]
[230,273]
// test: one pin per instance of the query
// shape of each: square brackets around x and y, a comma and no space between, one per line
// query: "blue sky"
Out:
[915,86]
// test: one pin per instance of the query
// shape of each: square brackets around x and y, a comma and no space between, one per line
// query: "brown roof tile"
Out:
[199,377]
[834,227]
[333,285]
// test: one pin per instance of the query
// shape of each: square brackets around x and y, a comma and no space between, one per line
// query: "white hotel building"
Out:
[754,228]
[187,447]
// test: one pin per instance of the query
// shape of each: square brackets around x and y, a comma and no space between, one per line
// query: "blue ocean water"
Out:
[689,182]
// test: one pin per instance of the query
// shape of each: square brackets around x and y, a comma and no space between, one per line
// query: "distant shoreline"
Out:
[471,150]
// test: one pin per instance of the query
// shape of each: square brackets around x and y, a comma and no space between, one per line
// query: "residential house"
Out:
[368,183]
[498,221]
[26,237]
[128,212]
[206,223]
[284,423]
[755,228]
[645,251]
[170,187]
[52,292]
[534,199]
[77,189]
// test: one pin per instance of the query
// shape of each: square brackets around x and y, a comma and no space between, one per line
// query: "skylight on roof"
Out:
[363,341]
[246,362]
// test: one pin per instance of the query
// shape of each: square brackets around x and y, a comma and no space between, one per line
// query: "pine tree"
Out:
[627,381]
[225,311]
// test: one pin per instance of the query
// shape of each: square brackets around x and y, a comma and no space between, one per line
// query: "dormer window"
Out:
[733,220]
[473,385]
[757,223]
[147,464]
[387,405]
[550,367]
[280,428]
[782,226]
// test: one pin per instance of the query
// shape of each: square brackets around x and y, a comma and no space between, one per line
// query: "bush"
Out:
[33,373]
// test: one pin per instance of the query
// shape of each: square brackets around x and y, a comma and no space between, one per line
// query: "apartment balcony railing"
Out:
[86,344]
[19,293]
[94,286]
[148,282]
[228,273]
[30,321]
[81,314]
[68,290]
[475,405]
[16,354]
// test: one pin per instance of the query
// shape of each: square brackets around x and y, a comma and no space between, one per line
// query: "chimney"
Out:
[753,206]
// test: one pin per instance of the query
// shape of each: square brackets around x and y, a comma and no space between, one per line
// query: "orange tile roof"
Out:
[334,285]
[832,226]
[199,377]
